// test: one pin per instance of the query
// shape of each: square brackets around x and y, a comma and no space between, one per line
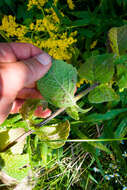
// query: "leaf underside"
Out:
[58,85]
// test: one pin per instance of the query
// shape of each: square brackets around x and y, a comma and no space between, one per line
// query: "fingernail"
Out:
[44,58]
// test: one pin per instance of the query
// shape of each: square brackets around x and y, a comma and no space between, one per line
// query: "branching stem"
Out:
[24,135]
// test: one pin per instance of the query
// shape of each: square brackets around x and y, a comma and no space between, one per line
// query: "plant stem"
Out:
[85,92]
[77,97]
[24,135]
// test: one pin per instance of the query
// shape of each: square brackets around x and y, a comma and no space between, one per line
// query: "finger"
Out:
[14,76]
[24,50]
[37,66]
[43,114]
[17,104]
[12,52]
[5,106]
[33,85]
[27,93]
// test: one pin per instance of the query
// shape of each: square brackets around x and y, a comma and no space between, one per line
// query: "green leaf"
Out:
[58,85]
[16,166]
[98,145]
[102,93]
[81,22]
[96,117]
[11,121]
[121,130]
[122,83]
[118,39]
[8,136]
[29,107]
[73,112]
[98,68]
[59,131]
[122,75]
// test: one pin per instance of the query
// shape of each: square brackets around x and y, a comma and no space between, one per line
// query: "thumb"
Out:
[15,76]
[37,67]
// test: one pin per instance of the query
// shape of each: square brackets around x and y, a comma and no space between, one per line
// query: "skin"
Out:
[19,71]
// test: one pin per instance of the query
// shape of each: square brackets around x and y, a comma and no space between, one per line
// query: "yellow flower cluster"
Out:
[45,33]
[44,25]
[54,15]
[38,3]
[58,45]
[12,28]
[70,4]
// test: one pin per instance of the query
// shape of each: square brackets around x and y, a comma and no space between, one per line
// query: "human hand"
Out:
[21,65]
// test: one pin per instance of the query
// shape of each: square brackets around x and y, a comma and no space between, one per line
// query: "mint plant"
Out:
[106,77]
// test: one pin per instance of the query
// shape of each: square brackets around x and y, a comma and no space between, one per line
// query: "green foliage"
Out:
[16,166]
[29,107]
[102,93]
[60,82]
[98,68]
[73,112]
[109,115]
[7,136]
[118,39]
[59,131]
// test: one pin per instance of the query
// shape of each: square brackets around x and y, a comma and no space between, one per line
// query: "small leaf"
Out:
[102,93]
[58,85]
[98,68]
[122,83]
[118,39]
[29,107]
[59,131]
[83,110]
[73,112]
[112,35]
[14,165]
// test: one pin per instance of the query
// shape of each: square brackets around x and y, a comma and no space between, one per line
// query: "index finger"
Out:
[12,52]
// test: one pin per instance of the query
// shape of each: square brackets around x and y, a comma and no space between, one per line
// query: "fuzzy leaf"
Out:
[58,85]
[118,39]
[59,131]
[73,112]
[98,68]
[102,93]
[14,165]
